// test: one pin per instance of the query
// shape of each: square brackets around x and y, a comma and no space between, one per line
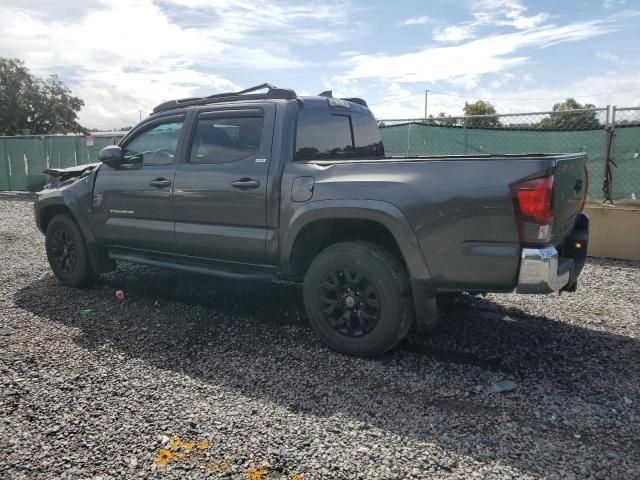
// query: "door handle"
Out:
[246,183]
[160,183]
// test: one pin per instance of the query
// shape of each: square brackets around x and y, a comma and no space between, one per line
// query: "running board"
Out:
[186,266]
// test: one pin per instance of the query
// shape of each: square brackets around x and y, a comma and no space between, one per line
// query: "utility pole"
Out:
[140,114]
[426,98]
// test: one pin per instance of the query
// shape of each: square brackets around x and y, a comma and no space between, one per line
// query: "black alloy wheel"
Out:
[63,251]
[67,252]
[352,302]
[358,298]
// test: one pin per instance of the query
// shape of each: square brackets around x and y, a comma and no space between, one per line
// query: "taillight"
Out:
[533,202]
[586,187]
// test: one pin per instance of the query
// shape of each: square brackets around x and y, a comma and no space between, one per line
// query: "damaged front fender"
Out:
[71,192]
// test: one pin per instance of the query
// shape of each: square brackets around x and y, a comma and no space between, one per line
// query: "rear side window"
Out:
[322,134]
[222,140]
[366,135]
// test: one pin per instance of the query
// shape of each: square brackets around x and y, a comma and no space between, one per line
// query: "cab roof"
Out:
[272,93]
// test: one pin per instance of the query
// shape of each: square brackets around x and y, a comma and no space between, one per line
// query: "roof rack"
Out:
[273,92]
[359,101]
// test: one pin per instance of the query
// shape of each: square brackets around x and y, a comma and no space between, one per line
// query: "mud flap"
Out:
[426,307]
[100,260]
[574,249]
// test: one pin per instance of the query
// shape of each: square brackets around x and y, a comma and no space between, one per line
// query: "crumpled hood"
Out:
[70,172]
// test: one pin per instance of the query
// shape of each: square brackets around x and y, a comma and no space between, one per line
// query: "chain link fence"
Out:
[610,136]
[625,152]
[602,133]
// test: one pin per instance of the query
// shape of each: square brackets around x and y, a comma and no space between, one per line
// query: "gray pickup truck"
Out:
[263,184]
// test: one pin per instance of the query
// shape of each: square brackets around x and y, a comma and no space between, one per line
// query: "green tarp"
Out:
[419,139]
[22,159]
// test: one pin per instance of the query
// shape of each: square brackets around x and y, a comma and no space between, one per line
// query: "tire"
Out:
[367,276]
[67,252]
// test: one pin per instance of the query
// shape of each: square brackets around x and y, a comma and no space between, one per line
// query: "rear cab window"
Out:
[325,133]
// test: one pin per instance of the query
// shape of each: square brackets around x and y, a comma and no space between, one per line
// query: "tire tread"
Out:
[85,275]
[397,275]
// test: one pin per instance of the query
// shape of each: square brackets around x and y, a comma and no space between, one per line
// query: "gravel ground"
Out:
[220,379]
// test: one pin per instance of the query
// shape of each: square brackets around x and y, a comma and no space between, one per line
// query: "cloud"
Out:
[491,13]
[237,19]
[613,3]
[516,94]
[123,56]
[506,13]
[455,33]
[522,22]
[608,56]
[424,20]
[348,53]
[53,10]
[468,60]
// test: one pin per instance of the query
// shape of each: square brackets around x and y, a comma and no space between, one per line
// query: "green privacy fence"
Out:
[22,159]
[525,133]
[626,154]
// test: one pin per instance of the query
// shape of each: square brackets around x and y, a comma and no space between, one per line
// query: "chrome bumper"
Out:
[539,271]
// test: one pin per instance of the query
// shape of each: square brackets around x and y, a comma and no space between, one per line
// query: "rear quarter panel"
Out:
[460,209]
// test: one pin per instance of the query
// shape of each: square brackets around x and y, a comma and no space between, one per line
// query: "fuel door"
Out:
[302,189]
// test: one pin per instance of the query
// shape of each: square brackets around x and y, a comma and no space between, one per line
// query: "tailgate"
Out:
[570,184]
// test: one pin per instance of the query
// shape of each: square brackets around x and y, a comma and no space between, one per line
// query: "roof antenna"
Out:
[326,93]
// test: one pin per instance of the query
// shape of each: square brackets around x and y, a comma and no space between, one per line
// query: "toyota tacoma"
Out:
[266,185]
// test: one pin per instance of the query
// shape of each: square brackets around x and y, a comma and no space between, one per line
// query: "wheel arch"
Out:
[48,206]
[47,213]
[391,228]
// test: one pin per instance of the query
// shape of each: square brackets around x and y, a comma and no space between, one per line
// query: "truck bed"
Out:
[460,207]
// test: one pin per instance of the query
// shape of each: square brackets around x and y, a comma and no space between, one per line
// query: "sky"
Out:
[123,57]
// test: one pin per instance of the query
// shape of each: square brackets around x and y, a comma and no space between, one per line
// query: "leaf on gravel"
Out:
[163,457]
[257,474]
[218,467]
[180,450]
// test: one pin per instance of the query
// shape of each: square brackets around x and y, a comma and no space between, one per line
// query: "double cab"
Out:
[266,185]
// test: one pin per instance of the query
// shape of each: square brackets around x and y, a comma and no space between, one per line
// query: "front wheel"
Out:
[358,300]
[67,252]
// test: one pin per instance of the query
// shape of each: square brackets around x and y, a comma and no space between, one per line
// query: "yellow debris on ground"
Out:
[163,457]
[180,449]
[257,474]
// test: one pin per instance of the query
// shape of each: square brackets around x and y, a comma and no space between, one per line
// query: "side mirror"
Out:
[111,155]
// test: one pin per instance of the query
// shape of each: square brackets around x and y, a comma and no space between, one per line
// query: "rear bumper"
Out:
[551,269]
[539,271]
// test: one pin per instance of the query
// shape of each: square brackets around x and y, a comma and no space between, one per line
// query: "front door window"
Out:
[155,146]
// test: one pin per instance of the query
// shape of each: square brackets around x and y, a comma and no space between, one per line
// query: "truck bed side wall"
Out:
[461,211]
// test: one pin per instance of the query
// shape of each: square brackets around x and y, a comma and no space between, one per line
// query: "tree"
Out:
[564,119]
[442,119]
[16,86]
[481,107]
[31,103]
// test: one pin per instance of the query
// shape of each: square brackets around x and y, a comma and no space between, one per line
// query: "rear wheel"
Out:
[67,252]
[358,299]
